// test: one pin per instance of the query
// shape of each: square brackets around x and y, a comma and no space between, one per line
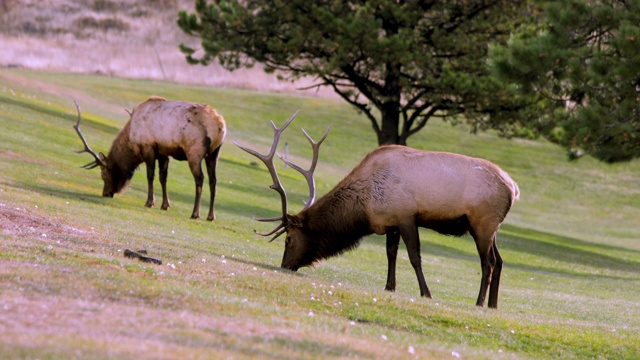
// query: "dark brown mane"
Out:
[122,160]
[332,232]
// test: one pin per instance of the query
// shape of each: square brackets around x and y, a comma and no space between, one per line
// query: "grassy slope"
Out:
[569,286]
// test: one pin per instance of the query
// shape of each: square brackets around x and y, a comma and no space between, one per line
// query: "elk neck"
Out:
[337,221]
[123,158]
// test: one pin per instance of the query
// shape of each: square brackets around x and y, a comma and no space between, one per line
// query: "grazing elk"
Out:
[157,129]
[393,191]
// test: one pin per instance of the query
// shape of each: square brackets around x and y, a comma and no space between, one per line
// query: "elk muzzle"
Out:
[289,267]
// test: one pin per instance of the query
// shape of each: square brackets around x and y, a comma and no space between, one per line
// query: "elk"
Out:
[157,129]
[393,191]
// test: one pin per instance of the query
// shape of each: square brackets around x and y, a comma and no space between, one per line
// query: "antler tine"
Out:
[267,159]
[277,234]
[278,230]
[86,149]
[308,174]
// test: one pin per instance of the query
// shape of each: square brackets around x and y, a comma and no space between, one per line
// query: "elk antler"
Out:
[86,149]
[277,186]
[308,174]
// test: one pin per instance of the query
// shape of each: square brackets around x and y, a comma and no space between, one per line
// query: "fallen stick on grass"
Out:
[141,255]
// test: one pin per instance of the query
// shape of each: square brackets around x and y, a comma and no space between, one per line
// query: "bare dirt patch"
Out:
[51,307]
[17,222]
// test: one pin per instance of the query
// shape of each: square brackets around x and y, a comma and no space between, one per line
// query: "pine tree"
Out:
[401,63]
[583,66]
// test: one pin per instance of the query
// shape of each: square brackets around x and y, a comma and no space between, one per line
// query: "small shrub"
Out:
[104,6]
[7,5]
[108,24]
[162,4]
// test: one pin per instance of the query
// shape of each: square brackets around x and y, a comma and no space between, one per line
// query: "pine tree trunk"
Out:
[390,129]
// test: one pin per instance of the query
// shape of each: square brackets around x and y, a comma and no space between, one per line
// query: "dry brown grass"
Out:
[118,38]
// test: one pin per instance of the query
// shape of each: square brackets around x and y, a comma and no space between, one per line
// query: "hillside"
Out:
[121,38]
[570,245]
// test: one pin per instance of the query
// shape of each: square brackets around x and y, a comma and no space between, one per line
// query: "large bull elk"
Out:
[159,129]
[393,191]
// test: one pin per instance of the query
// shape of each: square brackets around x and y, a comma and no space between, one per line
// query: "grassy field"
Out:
[572,257]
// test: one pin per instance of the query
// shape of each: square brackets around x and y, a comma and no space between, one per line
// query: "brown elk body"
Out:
[159,129]
[394,191]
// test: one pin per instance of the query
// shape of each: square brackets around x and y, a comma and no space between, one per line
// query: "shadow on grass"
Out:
[65,194]
[563,249]
[86,121]
[558,250]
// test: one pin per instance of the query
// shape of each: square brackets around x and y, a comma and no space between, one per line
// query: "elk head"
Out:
[296,253]
[107,171]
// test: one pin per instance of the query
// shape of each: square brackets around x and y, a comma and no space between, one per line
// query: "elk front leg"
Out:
[409,233]
[198,177]
[393,239]
[163,163]
[151,169]
[212,161]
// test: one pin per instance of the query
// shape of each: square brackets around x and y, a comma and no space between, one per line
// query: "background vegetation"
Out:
[572,257]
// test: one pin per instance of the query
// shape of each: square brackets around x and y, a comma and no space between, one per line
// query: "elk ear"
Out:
[103,160]
[294,220]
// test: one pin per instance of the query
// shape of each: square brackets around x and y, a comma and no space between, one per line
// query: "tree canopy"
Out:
[582,63]
[401,63]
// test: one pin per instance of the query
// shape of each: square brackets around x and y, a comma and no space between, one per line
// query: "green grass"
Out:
[572,257]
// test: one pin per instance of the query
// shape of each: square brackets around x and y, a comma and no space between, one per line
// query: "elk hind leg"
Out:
[198,177]
[163,163]
[212,162]
[484,244]
[495,276]
[409,233]
[393,239]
